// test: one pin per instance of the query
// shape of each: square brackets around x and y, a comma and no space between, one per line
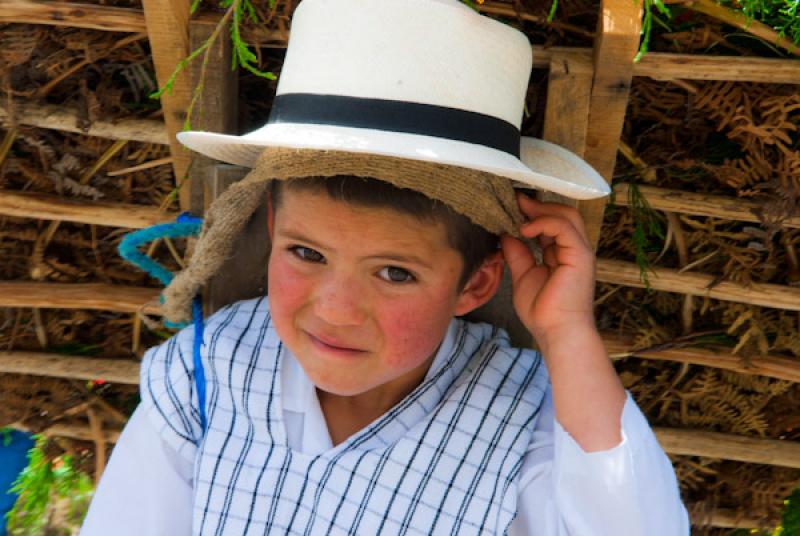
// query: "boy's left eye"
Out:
[393,274]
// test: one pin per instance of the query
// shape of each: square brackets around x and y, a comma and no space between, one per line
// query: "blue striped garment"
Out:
[445,460]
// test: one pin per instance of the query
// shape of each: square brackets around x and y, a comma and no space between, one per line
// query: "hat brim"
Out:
[542,165]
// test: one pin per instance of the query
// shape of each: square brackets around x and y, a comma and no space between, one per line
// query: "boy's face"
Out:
[363,296]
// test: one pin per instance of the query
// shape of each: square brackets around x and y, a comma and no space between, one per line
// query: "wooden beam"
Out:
[616,44]
[729,447]
[71,367]
[697,284]
[666,66]
[98,296]
[82,432]
[697,204]
[778,367]
[168,31]
[673,440]
[67,119]
[566,117]
[217,108]
[127,371]
[53,207]
[75,15]
[725,518]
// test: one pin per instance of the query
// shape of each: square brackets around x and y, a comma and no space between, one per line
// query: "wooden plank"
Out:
[127,371]
[778,367]
[217,108]
[98,296]
[697,204]
[729,447]
[75,15]
[673,441]
[71,367]
[244,274]
[168,31]
[566,118]
[696,284]
[666,66]
[569,89]
[725,518]
[616,44]
[53,207]
[81,432]
[67,119]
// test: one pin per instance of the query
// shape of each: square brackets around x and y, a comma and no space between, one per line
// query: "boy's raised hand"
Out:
[556,298]
[554,301]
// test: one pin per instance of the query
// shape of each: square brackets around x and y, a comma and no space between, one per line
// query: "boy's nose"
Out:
[340,303]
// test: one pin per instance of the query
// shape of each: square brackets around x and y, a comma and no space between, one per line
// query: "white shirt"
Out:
[630,489]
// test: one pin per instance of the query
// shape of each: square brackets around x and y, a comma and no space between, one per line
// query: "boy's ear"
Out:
[482,285]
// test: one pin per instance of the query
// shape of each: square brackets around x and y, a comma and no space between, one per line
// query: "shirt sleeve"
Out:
[146,488]
[628,490]
[169,397]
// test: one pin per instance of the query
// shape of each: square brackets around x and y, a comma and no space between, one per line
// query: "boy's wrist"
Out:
[568,334]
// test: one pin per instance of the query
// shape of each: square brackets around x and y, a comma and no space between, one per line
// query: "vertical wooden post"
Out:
[217,108]
[615,47]
[566,115]
[168,30]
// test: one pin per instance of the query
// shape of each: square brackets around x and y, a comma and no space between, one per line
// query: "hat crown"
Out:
[436,52]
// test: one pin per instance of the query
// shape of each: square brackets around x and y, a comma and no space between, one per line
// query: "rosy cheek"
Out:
[412,335]
[287,288]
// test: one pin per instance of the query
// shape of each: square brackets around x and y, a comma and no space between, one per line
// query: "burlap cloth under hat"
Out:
[487,200]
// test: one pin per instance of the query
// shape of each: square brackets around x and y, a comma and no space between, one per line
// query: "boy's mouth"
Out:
[331,345]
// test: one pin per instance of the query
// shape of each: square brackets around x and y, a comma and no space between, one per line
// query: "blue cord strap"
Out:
[199,372]
[184,226]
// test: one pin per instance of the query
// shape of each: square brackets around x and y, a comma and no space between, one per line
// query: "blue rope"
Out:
[185,225]
[199,373]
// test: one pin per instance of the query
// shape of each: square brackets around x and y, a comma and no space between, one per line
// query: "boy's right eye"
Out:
[307,254]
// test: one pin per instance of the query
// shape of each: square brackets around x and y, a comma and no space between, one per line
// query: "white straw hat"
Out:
[423,94]
[423,80]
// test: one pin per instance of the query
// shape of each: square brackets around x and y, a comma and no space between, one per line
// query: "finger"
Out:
[568,245]
[549,257]
[533,208]
[522,264]
[518,256]
[545,241]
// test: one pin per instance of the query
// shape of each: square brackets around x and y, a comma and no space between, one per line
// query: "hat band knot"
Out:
[397,116]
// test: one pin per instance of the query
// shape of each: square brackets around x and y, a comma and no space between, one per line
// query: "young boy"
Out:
[352,399]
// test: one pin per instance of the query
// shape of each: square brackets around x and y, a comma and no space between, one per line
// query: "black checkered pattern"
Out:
[445,460]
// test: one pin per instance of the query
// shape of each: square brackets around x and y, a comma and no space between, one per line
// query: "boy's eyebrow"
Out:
[402,258]
[291,235]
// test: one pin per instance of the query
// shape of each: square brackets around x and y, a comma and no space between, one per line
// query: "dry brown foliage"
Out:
[732,139]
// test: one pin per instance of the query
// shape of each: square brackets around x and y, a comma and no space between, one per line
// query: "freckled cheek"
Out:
[412,336]
[287,288]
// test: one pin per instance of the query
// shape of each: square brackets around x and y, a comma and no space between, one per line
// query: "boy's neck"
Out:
[347,415]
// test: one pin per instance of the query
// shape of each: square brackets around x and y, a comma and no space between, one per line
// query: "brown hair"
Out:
[471,241]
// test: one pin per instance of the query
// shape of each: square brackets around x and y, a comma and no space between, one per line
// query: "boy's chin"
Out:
[345,387]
